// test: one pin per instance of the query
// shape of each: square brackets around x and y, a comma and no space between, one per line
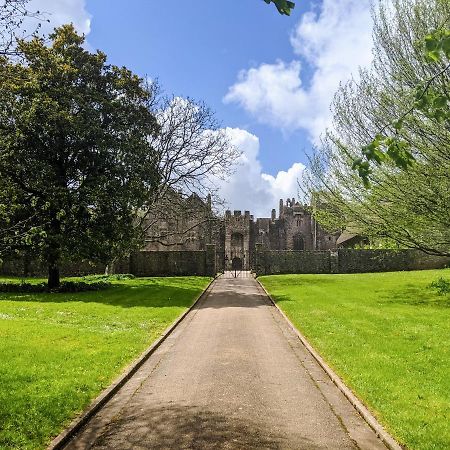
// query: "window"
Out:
[237,240]
[299,243]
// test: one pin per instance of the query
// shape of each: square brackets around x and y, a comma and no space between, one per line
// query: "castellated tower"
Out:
[294,229]
[238,240]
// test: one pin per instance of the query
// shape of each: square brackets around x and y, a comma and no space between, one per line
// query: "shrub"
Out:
[66,286]
[441,285]
[108,278]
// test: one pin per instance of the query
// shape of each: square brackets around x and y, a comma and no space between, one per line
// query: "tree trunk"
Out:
[54,252]
[110,268]
[53,277]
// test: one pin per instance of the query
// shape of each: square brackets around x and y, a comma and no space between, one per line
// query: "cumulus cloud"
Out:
[249,188]
[60,12]
[332,43]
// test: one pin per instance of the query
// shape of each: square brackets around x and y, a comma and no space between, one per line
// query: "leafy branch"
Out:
[430,103]
[284,6]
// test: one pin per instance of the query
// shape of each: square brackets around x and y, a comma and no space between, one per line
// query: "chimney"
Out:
[274,215]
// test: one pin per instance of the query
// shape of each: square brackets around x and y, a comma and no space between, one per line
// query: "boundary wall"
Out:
[268,262]
[141,264]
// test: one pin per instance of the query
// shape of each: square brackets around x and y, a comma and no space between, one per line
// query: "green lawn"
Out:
[58,351]
[388,336]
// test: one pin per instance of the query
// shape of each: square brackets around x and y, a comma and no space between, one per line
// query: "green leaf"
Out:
[423,103]
[284,6]
[433,55]
[439,115]
[440,101]
[446,46]
[431,43]
[398,124]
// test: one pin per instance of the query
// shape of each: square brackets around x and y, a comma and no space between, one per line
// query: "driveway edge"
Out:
[385,437]
[66,435]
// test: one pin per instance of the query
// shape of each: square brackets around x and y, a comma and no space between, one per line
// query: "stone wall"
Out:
[290,261]
[352,261]
[146,264]
[22,267]
[141,264]
[344,261]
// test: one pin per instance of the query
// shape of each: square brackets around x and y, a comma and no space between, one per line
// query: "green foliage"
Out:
[65,286]
[396,186]
[59,352]
[432,103]
[75,158]
[441,285]
[109,278]
[283,6]
[437,45]
[387,336]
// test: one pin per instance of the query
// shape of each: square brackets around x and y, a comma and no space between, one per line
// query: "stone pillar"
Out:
[259,259]
[334,261]
[210,260]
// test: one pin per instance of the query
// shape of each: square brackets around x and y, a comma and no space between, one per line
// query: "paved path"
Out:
[233,375]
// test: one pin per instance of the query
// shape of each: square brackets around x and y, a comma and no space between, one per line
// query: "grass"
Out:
[388,336]
[59,351]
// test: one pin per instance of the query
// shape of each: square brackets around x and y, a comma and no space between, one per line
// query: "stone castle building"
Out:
[294,229]
[237,234]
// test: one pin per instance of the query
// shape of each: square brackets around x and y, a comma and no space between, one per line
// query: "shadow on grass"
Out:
[300,280]
[120,295]
[415,296]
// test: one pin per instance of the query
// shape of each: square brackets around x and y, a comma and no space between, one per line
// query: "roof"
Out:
[345,236]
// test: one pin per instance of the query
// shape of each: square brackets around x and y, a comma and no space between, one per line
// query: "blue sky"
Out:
[197,48]
[269,78]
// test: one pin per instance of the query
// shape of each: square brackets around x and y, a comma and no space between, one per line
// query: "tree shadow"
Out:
[119,295]
[188,427]
[413,295]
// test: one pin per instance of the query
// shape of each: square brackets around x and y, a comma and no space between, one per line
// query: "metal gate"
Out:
[237,265]
[238,274]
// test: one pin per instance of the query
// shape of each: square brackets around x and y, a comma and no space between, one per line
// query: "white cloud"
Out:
[60,12]
[251,189]
[332,44]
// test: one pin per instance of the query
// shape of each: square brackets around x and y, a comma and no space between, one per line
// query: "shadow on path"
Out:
[187,427]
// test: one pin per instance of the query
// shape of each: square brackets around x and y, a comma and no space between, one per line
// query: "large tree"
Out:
[407,202]
[76,160]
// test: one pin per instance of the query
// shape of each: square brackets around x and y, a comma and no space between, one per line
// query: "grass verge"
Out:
[388,336]
[60,350]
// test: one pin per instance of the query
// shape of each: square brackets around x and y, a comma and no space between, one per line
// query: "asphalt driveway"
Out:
[232,375]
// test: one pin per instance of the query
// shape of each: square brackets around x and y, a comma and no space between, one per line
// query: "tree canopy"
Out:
[76,160]
[409,202]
